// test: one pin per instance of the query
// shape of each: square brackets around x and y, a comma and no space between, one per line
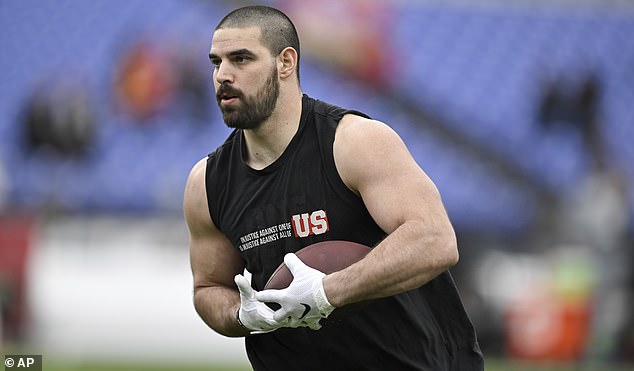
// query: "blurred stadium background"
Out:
[521,112]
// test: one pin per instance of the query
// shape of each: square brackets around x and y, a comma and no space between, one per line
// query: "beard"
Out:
[251,112]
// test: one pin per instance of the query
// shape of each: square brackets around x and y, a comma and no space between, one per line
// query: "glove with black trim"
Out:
[253,314]
[304,302]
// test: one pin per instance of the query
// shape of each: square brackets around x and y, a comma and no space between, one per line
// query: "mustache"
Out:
[227,91]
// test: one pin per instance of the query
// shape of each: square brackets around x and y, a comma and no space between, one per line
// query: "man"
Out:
[291,155]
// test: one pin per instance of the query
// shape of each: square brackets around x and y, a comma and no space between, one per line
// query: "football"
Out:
[327,257]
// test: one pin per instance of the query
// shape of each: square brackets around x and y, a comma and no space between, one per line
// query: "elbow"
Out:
[199,307]
[442,248]
[452,254]
[217,310]
[449,247]
[197,298]
[204,308]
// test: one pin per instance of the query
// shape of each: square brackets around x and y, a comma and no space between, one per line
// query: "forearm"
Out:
[217,306]
[409,257]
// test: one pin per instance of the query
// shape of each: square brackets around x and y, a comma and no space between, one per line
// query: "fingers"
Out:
[297,266]
[243,285]
[293,263]
[286,311]
[269,296]
[254,313]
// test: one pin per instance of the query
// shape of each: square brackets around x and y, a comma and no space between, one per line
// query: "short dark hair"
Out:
[278,31]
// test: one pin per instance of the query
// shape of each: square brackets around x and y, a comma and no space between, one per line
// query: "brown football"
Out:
[327,257]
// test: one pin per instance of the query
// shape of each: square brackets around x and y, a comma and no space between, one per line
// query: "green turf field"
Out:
[118,366]
[52,363]
[491,365]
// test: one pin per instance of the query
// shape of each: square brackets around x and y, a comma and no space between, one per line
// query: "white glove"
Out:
[253,314]
[303,303]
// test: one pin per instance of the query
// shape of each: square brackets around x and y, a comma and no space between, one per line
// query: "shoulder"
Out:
[195,192]
[364,135]
[366,148]
[219,163]
[204,176]
[195,206]
[197,172]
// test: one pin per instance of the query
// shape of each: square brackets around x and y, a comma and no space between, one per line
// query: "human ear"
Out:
[287,62]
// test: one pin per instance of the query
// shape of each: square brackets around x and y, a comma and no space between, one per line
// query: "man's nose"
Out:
[224,74]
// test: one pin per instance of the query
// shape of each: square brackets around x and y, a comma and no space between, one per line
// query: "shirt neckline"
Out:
[307,106]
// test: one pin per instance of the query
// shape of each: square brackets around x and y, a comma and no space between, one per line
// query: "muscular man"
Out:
[343,176]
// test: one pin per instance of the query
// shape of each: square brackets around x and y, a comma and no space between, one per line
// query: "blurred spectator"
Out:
[597,210]
[594,215]
[352,36]
[155,78]
[59,119]
[143,80]
[193,79]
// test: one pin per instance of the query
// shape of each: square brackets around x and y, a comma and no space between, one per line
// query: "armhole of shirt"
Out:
[329,158]
[210,187]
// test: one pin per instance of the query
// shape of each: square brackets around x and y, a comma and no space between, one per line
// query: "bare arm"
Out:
[374,162]
[214,261]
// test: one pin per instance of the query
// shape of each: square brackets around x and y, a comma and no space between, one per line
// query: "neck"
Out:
[267,142]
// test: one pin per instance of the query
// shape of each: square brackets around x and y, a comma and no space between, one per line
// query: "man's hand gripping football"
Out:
[304,302]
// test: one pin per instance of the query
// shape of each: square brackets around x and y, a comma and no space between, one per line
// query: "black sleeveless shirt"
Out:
[298,200]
